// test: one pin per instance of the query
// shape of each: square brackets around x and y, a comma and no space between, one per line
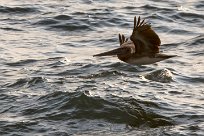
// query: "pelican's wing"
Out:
[122,39]
[144,38]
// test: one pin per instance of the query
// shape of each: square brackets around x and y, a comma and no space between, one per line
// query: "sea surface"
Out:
[51,85]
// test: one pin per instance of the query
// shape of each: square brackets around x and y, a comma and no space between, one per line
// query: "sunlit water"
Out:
[51,84]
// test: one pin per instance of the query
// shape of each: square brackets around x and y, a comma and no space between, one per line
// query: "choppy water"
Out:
[51,84]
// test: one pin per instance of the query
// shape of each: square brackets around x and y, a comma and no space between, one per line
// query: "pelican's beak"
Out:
[118,51]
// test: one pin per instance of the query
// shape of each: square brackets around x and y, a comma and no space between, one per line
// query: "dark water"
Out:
[51,84]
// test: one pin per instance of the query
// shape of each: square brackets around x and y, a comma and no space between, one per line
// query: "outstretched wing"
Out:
[144,38]
[122,39]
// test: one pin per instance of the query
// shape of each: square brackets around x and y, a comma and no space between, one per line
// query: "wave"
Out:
[81,105]
[163,75]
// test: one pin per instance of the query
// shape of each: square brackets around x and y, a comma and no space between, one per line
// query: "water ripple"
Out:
[17,10]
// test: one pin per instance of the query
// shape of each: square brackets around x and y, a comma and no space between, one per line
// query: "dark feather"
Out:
[120,39]
[145,37]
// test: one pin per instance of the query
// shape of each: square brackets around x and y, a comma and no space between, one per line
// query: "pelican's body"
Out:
[141,49]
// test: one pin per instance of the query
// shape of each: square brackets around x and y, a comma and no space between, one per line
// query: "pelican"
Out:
[141,49]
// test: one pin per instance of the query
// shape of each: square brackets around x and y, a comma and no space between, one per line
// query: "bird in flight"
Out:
[141,49]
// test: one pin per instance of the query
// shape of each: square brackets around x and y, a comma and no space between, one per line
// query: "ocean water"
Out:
[51,85]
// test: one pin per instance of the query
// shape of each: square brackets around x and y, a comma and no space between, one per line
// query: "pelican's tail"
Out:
[118,51]
[164,56]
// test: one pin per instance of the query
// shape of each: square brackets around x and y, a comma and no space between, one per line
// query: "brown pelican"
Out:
[141,49]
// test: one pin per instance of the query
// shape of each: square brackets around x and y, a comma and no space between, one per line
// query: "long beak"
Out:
[118,51]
